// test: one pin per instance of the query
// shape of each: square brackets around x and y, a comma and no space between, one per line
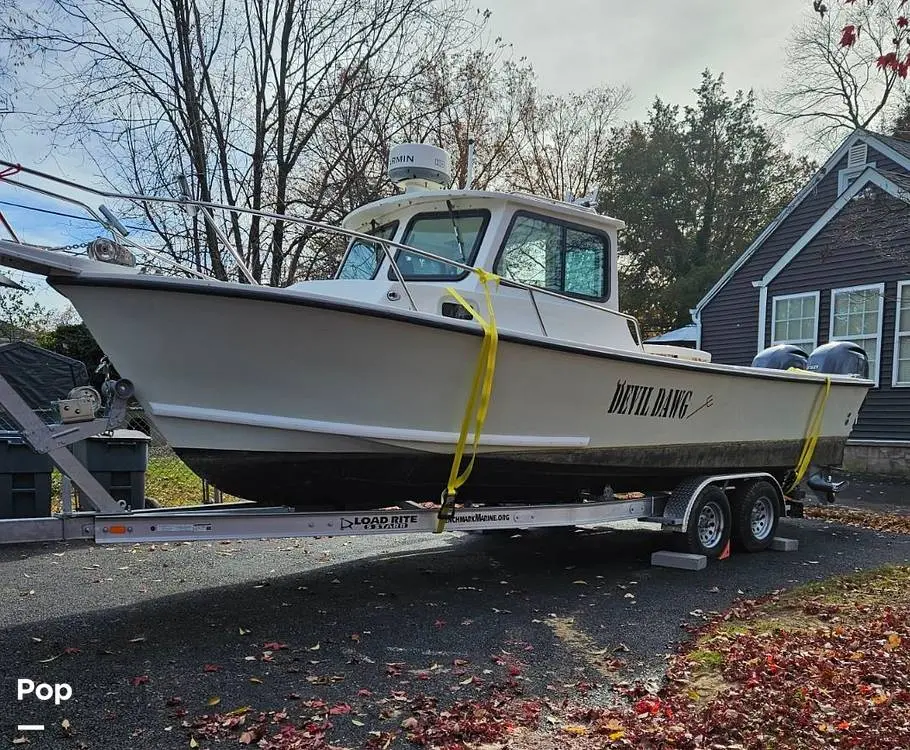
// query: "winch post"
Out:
[43,439]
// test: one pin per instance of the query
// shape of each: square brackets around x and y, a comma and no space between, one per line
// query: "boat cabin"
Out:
[562,254]
[549,245]
[560,247]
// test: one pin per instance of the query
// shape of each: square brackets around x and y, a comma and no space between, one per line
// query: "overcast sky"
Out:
[656,47]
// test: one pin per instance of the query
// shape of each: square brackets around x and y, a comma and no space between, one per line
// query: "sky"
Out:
[655,47]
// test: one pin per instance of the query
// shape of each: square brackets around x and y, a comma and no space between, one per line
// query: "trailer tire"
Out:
[756,513]
[709,527]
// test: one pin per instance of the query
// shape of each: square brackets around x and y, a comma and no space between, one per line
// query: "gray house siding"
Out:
[833,261]
[729,321]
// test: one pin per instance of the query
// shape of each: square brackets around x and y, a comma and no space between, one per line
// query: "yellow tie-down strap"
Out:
[475,412]
[813,430]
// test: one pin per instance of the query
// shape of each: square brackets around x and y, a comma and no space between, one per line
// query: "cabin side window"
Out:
[363,258]
[450,234]
[550,254]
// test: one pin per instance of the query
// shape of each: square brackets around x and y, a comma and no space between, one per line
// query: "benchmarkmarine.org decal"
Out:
[379,523]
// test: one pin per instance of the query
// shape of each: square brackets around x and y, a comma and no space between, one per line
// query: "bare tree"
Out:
[238,96]
[874,219]
[564,141]
[831,87]
[481,95]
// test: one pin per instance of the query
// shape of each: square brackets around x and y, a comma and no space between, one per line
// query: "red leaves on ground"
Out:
[72,651]
[483,720]
[212,668]
[268,730]
[648,706]
[274,646]
[819,673]
[140,680]
[393,669]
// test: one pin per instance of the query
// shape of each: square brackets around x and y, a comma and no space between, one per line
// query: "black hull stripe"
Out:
[268,294]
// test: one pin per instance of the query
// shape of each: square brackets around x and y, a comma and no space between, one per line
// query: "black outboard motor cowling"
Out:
[840,358]
[781,357]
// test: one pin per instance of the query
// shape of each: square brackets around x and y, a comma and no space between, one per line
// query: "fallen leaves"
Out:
[892,522]
[815,669]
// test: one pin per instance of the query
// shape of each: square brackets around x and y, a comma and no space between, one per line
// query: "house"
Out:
[833,265]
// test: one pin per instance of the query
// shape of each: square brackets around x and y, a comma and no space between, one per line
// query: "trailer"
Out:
[706,514]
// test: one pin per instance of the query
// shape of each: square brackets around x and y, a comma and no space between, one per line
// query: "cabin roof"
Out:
[436,199]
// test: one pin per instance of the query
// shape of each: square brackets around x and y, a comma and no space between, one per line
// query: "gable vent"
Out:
[856,157]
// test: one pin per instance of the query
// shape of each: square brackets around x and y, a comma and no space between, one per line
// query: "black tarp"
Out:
[40,376]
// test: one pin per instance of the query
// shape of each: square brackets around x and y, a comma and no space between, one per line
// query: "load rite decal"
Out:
[650,401]
[378,523]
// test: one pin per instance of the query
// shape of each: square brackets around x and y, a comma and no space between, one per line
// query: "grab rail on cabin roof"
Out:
[105,219]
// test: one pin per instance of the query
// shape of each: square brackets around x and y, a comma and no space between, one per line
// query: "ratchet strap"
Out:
[479,399]
[813,430]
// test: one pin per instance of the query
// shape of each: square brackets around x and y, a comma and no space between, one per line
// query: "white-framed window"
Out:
[901,376]
[794,320]
[856,315]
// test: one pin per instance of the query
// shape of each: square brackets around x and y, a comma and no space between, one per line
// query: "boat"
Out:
[459,323]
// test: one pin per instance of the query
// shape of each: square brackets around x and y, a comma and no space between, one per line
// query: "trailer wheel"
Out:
[756,512]
[708,530]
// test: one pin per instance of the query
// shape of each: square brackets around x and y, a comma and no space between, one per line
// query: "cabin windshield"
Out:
[363,258]
[451,234]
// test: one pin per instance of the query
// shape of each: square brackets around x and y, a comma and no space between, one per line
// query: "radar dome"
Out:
[420,166]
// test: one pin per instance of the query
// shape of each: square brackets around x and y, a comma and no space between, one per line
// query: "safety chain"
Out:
[65,248]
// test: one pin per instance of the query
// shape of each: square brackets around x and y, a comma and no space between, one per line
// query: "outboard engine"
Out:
[781,357]
[840,358]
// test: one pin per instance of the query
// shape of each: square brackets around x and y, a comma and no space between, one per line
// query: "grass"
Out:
[171,482]
[706,659]
[168,481]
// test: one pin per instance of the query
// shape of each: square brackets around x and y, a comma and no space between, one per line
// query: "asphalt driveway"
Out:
[272,624]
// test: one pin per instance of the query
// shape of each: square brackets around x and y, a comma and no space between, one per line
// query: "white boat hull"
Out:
[291,397]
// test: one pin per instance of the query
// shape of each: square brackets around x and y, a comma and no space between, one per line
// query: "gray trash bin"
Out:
[25,479]
[119,462]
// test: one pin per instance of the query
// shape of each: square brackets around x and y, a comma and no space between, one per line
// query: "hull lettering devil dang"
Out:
[636,400]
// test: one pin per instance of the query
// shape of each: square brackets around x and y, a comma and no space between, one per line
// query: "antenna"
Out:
[469,180]
[186,195]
